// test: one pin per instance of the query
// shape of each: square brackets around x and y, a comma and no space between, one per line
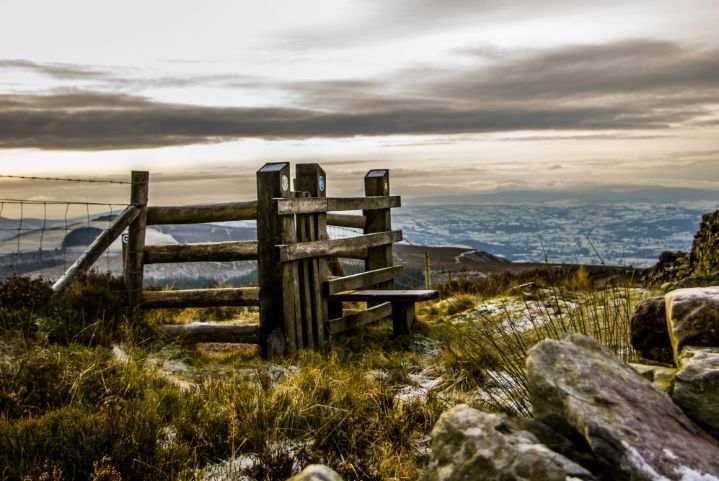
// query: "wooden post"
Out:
[376,183]
[427,272]
[277,281]
[311,178]
[134,266]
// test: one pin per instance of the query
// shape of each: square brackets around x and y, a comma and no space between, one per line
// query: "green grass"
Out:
[84,394]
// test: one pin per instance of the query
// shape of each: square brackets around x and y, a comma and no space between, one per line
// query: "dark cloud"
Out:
[55,70]
[638,85]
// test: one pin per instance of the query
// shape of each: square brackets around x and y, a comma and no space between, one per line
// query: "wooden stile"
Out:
[361,318]
[347,220]
[337,247]
[363,279]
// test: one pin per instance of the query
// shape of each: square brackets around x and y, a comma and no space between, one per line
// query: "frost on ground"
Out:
[423,383]
[236,469]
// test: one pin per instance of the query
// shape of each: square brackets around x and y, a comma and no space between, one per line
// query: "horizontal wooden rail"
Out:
[376,313]
[336,247]
[229,296]
[206,252]
[212,332]
[95,250]
[381,295]
[363,279]
[314,205]
[346,220]
[202,213]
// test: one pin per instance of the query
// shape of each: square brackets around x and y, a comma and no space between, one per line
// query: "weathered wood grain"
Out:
[373,314]
[203,252]
[211,332]
[134,265]
[362,280]
[399,295]
[336,247]
[228,296]
[347,220]
[201,213]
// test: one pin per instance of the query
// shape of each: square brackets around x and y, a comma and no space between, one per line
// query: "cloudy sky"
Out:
[453,95]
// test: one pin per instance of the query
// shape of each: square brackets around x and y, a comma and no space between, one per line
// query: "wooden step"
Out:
[380,295]
[229,296]
[195,332]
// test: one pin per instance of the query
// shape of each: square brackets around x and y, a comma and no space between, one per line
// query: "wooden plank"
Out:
[336,247]
[205,252]
[272,182]
[134,266]
[362,280]
[227,296]
[361,318]
[376,183]
[370,202]
[212,332]
[311,178]
[313,205]
[95,250]
[399,295]
[202,213]
[347,220]
[299,205]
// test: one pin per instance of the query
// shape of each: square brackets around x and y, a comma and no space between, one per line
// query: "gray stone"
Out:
[661,377]
[696,387]
[316,472]
[650,336]
[694,281]
[468,444]
[579,386]
[693,318]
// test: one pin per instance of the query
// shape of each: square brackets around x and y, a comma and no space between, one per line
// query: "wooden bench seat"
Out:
[403,311]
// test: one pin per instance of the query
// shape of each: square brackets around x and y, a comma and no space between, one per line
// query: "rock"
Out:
[661,377]
[696,388]
[579,386]
[693,318]
[704,257]
[316,472]
[671,267]
[694,281]
[468,444]
[650,336]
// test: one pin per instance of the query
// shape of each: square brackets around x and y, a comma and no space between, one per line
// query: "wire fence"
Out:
[42,238]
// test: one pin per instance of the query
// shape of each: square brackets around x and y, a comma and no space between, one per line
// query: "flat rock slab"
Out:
[468,444]
[696,385]
[650,336]
[693,318]
[579,386]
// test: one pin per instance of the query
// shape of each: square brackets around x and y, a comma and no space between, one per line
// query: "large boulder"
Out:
[650,336]
[696,385]
[468,444]
[579,386]
[693,318]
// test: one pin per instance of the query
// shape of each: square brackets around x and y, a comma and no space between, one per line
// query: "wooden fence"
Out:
[299,300]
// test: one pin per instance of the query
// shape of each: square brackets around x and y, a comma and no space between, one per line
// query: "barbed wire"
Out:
[65,179]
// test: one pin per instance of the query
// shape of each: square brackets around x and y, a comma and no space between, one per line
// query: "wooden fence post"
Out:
[376,183]
[134,265]
[311,178]
[427,272]
[279,303]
